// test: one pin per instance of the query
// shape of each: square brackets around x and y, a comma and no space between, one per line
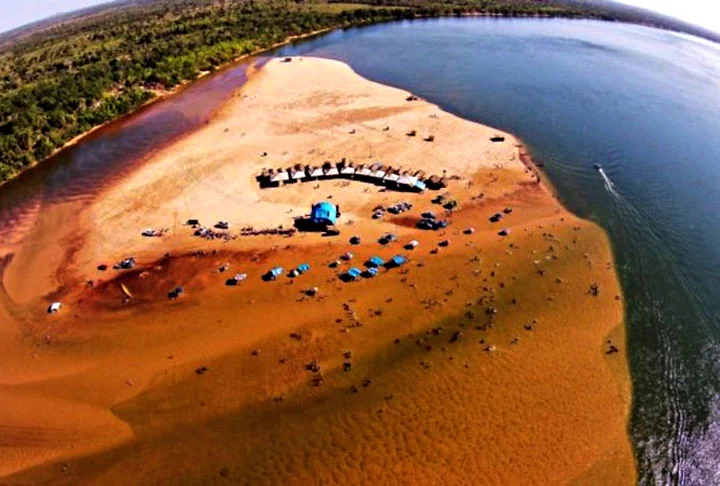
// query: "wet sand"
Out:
[484,362]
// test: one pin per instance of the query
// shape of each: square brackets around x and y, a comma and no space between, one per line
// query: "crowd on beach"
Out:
[480,315]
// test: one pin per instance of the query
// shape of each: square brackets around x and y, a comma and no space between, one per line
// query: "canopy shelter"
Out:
[409,182]
[314,172]
[375,262]
[370,273]
[364,172]
[346,168]
[330,170]
[392,177]
[274,273]
[324,213]
[281,176]
[396,261]
[299,270]
[378,171]
[297,173]
[353,273]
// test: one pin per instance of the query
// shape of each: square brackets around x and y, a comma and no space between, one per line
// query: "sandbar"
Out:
[483,361]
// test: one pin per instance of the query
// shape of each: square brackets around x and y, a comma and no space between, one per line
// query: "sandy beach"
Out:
[489,360]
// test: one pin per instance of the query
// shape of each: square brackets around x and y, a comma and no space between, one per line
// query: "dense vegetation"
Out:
[59,84]
[62,80]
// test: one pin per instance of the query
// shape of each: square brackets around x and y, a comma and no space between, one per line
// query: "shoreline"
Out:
[228,64]
[164,95]
[498,379]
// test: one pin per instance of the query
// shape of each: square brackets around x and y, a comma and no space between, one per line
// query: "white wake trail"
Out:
[608,183]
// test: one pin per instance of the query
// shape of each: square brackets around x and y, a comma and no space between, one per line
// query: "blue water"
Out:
[646,105]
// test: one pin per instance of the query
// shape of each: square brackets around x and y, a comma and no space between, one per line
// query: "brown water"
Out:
[77,173]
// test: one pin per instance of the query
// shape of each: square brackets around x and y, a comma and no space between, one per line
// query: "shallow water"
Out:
[79,172]
[646,105]
[642,102]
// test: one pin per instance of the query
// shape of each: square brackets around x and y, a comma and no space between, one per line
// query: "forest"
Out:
[62,80]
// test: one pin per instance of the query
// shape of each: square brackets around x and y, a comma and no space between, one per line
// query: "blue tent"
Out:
[274,273]
[353,273]
[302,268]
[323,213]
[371,272]
[397,260]
[375,261]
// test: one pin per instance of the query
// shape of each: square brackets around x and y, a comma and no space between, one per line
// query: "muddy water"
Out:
[78,173]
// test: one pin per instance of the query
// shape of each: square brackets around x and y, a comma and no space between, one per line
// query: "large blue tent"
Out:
[324,213]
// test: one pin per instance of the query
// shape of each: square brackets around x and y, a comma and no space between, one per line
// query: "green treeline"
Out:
[57,86]
[65,80]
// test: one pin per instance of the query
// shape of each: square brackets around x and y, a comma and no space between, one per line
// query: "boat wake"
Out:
[608,183]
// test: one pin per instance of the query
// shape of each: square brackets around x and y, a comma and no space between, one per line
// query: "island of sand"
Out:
[494,354]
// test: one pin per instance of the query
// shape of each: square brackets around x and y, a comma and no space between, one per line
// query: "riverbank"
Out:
[487,356]
[163,94]
[387,14]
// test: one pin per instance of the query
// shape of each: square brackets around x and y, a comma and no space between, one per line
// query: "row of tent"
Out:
[372,267]
[376,173]
[275,272]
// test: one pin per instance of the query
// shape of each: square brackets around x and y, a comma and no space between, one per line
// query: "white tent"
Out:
[392,177]
[280,177]
[404,180]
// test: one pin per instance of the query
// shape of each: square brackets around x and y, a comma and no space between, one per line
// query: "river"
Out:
[643,103]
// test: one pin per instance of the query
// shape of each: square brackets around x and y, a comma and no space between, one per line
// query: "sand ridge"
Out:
[516,386]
